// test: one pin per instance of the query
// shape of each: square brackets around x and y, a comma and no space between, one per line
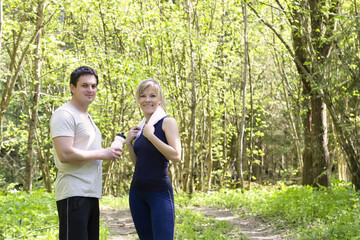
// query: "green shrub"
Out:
[32,215]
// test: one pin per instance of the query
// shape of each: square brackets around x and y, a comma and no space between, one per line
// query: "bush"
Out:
[32,215]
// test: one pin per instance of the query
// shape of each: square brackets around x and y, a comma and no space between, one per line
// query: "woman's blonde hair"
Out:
[143,85]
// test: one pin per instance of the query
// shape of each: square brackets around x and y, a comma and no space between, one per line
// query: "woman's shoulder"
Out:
[169,122]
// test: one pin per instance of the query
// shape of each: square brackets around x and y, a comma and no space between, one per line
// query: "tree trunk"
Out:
[242,124]
[315,155]
[1,23]
[348,144]
[193,103]
[15,68]
[36,95]
[1,29]
[210,136]
[44,160]
[251,137]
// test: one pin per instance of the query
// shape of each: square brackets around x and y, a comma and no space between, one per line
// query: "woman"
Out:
[151,145]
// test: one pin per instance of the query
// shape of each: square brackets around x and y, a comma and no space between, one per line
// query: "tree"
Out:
[199,51]
[310,51]
[190,179]
[1,25]
[17,56]
[35,95]
[313,46]
[243,113]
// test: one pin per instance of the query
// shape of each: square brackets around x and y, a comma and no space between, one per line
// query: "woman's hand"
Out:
[132,135]
[148,131]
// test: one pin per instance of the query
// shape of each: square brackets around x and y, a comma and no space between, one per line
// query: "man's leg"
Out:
[76,216]
[93,226]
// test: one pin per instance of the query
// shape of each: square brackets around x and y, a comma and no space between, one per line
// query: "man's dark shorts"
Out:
[78,218]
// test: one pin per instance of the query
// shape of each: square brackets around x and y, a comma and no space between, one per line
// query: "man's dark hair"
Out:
[80,71]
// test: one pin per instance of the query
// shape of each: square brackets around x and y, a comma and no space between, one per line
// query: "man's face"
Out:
[85,90]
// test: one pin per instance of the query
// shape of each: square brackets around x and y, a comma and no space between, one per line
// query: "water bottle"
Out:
[119,140]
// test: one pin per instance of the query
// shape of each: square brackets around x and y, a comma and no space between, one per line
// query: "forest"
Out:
[263,91]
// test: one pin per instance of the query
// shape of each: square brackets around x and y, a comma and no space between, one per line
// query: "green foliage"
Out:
[32,215]
[307,213]
[194,225]
[128,41]
[115,202]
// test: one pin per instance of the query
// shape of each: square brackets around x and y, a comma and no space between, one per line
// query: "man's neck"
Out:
[79,106]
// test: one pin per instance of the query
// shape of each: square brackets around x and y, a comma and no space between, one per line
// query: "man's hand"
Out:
[112,153]
[69,154]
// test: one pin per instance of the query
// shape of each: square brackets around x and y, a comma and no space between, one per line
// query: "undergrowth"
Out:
[305,212]
[28,215]
[194,225]
[302,212]
[190,225]
[31,216]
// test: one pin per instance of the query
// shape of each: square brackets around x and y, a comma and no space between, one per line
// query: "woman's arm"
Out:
[172,150]
[131,152]
[129,142]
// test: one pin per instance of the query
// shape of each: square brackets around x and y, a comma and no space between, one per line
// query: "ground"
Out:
[119,223]
[121,226]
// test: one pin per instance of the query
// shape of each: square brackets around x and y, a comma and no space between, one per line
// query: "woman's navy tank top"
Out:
[151,168]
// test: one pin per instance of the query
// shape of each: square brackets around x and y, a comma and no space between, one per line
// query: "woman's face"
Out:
[149,100]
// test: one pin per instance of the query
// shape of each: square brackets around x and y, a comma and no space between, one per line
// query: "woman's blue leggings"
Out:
[153,214]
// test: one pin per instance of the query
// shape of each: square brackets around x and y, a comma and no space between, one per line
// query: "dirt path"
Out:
[121,226]
[119,223]
[249,227]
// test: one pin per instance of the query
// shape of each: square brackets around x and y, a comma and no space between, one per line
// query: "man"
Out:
[78,157]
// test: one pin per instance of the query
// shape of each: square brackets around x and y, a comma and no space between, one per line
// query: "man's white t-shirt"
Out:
[83,180]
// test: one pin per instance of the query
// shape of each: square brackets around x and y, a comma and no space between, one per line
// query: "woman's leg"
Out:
[162,215]
[141,214]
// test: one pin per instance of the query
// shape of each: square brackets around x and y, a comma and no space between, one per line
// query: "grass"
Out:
[190,225]
[194,225]
[304,212]
[31,216]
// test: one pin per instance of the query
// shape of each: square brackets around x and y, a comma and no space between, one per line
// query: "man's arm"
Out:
[67,153]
